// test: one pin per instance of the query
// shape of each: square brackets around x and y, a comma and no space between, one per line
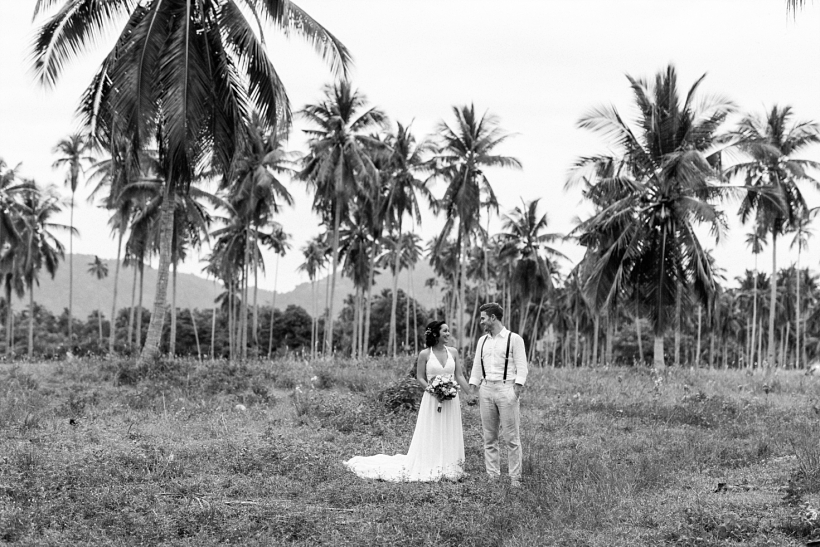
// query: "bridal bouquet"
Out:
[443,387]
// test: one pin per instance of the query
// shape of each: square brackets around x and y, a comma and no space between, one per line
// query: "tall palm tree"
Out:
[772,176]
[644,240]
[339,162]
[802,234]
[40,247]
[99,269]
[315,254]
[466,149]
[528,244]
[755,240]
[256,190]
[73,153]
[182,75]
[406,158]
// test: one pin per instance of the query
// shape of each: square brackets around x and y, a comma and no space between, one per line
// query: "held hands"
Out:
[519,390]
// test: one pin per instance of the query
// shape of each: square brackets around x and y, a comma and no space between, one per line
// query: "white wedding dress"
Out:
[437,449]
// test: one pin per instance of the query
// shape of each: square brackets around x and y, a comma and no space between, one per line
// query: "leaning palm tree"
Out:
[339,162]
[74,153]
[181,77]
[643,242]
[99,269]
[40,247]
[772,176]
[466,149]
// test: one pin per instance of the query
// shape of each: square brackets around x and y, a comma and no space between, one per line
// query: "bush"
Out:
[403,395]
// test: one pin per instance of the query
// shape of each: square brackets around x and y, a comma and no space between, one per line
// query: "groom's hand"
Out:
[519,390]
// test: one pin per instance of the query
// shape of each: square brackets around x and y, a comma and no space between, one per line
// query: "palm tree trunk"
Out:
[462,295]
[760,342]
[312,322]
[329,323]
[797,314]
[391,339]
[407,319]
[415,313]
[577,341]
[172,343]
[367,305]
[151,350]
[196,334]
[535,329]
[639,336]
[327,309]
[772,301]
[71,271]
[139,308]
[473,320]
[595,340]
[112,335]
[697,351]
[354,334]
[245,283]
[610,335]
[678,299]
[31,321]
[657,357]
[255,328]
[213,326]
[273,306]
[131,311]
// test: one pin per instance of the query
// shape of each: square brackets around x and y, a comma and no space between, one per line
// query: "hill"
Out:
[194,291]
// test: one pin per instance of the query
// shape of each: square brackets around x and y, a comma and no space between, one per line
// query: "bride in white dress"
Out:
[437,449]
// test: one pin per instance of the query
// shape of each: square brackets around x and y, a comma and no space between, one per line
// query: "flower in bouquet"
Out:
[443,387]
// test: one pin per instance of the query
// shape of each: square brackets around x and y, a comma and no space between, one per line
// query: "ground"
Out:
[104,453]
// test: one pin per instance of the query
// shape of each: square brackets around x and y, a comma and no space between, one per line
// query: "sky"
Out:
[539,65]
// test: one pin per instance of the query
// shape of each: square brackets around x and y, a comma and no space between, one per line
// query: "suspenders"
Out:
[506,356]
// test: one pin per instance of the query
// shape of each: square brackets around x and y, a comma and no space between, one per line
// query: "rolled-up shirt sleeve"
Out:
[475,374]
[520,359]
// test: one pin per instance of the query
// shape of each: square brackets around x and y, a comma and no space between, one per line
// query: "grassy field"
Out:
[101,453]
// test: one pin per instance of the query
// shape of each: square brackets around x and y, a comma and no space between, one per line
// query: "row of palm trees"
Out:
[188,94]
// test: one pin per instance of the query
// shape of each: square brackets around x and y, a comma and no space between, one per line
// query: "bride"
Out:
[437,449]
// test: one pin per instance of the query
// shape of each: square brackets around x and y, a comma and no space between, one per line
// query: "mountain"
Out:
[194,291]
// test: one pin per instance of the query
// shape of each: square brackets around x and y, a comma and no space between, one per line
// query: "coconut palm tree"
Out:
[406,158]
[73,153]
[256,190]
[315,253]
[40,247]
[755,240]
[339,162]
[465,150]
[802,234]
[644,242]
[526,242]
[182,77]
[99,269]
[772,176]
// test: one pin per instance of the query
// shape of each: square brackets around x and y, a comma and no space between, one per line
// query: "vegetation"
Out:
[101,452]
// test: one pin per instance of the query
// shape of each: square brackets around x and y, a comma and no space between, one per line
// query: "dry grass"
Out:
[101,453]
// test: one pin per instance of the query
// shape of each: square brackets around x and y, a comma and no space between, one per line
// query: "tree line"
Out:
[188,96]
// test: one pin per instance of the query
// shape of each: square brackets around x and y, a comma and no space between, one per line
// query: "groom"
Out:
[500,369]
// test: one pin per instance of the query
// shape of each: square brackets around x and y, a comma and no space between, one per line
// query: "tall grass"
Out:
[99,453]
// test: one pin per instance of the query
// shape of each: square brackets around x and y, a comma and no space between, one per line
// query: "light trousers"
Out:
[500,421]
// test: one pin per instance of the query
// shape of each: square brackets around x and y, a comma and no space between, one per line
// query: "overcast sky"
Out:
[537,64]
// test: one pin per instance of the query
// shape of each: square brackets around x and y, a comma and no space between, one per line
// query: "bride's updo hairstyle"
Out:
[431,335]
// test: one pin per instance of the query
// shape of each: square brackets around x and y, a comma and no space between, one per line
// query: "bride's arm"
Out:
[421,369]
[460,374]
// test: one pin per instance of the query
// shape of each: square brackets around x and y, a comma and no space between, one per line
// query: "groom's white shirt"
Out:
[495,349]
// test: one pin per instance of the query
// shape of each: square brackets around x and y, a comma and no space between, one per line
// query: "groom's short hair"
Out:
[492,308]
